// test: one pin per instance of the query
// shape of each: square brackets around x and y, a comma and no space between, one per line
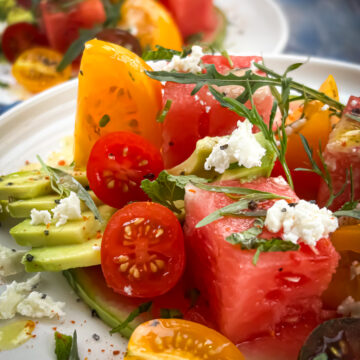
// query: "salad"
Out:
[210,211]
[42,39]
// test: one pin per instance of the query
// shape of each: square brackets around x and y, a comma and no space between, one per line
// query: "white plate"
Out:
[36,127]
[254,26]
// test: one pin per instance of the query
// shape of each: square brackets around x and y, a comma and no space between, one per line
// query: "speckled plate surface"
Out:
[36,127]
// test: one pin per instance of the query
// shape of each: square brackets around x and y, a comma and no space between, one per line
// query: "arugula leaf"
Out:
[354,213]
[163,53]
[145,307]
[62,346]
[77,47]
[171,314]
[74,354]
[161,117]
[63,183]
[247,235]
[167,189]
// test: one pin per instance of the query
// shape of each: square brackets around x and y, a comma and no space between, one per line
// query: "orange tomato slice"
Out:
[35,69]
[151,23]
[176,339]
[114,94]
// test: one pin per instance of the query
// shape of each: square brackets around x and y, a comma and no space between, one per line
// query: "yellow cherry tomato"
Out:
[114,94]
[35,69]
[151,23]
[175,339]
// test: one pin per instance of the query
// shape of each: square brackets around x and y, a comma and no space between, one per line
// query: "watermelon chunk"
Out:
[341,152]
[249,301]
[201,115]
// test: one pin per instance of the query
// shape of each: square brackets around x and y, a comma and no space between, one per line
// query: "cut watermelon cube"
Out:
[249,301]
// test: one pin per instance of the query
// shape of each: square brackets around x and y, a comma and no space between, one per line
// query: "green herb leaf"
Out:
[104,120]
[247,235]
[322,356]
[77,47]
[113,13]
[171,314]
[226,55]
[293,67]
[62,346]
[167,189]
[161,117]
[4,85]
[355,213]
[74,354]
[63,183]
[145,307]
[163,53]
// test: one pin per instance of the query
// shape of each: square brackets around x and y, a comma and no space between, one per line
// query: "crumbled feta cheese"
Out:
[349,307]
[14,294]
[304,222]
[325,107]
[196,97]
[39,305]
[157,65]
[240,147]
[191,63]
[10,261]
[128,290]
[40,217]
[280,180]
[68,209]
[354,270]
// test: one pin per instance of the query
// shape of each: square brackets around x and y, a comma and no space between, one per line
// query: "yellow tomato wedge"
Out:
[35,69]
[114,94]
[175,339]
[152,24]
[347,238]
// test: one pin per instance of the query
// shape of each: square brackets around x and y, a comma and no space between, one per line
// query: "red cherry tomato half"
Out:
[20,37]
[118,163]
[142,251]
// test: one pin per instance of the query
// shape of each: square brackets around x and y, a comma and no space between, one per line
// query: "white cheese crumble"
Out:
[14,294]
[240,147]
[68,209]
[128,290]
[40,217]
[305,221]
[38,305]
[10,261]
[349,307]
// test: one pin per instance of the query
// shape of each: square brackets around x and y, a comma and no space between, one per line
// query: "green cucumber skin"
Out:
[103,314]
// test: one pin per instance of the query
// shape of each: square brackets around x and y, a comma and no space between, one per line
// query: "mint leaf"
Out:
[171,314]
[163,53]
[167,189]
[247,236]
[62,346]
[145,307]
[63,183]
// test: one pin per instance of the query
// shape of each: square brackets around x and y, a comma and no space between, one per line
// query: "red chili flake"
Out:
[54,328]
[85,218]
[47,178]
[102,350]
[27,162]
[61,162]
[89,350]
[47,225]
[72,321]
[116,352]
[98,235]
[192,190]
[34,336]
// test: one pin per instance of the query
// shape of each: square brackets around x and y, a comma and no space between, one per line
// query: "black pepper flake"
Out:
[87,187]
[57,201]
[94,313]
[292,204]
[78,300]
[149,176]
[312,201]
[283,210]
[96,337]
[224,147]
[46,232]
[155,323]
[356,111]
[13,250]
[29,257]
[10,183]
[280,269]
[252,205]
[43,296]
[81,73]
[182,173]
[171,143]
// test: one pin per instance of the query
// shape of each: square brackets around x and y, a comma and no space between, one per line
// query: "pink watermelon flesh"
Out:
[201,115]
[341,152]
[248,301]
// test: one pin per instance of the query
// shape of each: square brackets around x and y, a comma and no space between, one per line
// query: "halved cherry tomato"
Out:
[178,339]
[142,251]
[35,69]
[122,38]
[20,37]
[118,163]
